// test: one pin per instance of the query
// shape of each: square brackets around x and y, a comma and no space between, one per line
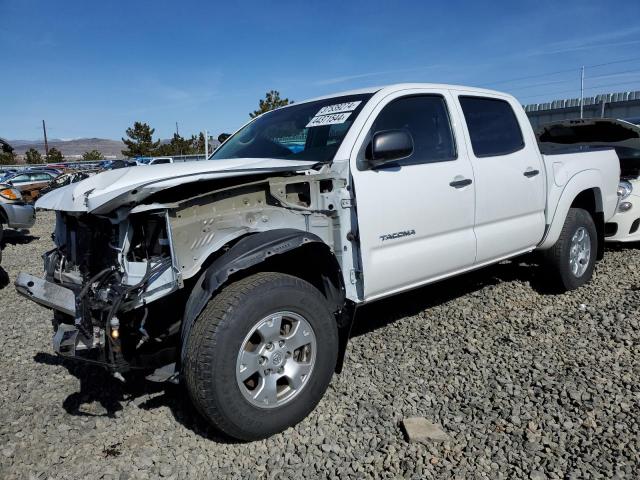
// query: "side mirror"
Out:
[390,145]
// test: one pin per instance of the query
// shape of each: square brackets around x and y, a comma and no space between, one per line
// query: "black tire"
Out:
[216,338]
[558,256]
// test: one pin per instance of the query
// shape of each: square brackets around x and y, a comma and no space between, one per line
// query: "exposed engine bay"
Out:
[115,269]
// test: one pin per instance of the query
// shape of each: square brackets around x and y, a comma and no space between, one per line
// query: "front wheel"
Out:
[573,257]
[261,355]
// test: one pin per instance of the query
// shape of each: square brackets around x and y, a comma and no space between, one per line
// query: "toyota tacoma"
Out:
[240,276]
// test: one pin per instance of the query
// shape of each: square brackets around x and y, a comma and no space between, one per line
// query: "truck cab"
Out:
[469,155]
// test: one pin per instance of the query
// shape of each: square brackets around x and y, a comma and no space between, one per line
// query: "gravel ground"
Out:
[526,383]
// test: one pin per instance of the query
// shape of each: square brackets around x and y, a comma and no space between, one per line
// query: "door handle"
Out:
[531,173]
[461,183]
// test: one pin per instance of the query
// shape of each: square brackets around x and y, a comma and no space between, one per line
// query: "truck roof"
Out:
[406,86]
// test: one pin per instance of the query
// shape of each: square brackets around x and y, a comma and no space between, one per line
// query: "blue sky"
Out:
[91,69]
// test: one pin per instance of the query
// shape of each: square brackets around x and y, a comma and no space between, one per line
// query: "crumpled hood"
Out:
[105,191]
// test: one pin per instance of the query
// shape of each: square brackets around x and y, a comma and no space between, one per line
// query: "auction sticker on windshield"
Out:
[338,108]
[320,120]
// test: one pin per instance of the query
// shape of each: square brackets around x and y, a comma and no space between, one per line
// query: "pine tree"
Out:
[180,145]
[272,101]
[92,155]
[55,155]
[7,155]
[140,142]
[197,143]
[33,156]
[7,158]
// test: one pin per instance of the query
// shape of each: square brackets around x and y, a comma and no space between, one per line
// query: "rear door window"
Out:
[493,126]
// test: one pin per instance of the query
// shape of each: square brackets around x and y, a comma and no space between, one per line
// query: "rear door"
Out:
[416,215]
[509,176]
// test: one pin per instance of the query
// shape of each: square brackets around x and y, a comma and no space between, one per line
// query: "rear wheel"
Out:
[261,355]
[572,259]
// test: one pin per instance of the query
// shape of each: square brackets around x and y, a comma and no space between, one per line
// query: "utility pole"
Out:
[177,132]
[46,144]
[581,91]
[206,145]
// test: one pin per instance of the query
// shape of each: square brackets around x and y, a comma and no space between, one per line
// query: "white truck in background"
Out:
[144,161]
[241,275]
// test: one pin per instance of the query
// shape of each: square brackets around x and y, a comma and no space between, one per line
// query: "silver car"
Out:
[14,212]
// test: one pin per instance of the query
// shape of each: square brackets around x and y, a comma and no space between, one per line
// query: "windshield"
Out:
[308,131]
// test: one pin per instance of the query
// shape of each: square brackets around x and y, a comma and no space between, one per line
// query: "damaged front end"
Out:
[122,275]
[104,279]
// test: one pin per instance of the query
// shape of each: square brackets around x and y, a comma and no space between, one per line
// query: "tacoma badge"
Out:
[393,236]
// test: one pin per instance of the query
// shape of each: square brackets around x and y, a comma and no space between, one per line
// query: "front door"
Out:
[416,215]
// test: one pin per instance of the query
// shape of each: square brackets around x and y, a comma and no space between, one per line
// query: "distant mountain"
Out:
[70,148]
[76,147]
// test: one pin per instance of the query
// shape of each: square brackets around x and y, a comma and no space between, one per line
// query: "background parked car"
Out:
[154,160]
[67,179]
[30,182]
[58,166]
[7,173]
[53,170]
[14,212]
[113,164]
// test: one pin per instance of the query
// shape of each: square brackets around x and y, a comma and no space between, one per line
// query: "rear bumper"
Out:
[19,216]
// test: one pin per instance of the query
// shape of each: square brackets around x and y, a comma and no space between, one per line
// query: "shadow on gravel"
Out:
[384,312]
[4,277]
[621,246]
[17,237]
[97,385]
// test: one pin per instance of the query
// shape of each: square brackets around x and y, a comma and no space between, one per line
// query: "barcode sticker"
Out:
[332,119]
[338,108]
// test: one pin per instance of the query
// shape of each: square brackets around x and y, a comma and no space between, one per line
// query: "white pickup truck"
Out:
[241,275]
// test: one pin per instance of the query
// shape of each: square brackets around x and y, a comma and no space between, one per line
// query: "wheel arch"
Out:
[581,191]
[4,218]
[591,201]
[291,251]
